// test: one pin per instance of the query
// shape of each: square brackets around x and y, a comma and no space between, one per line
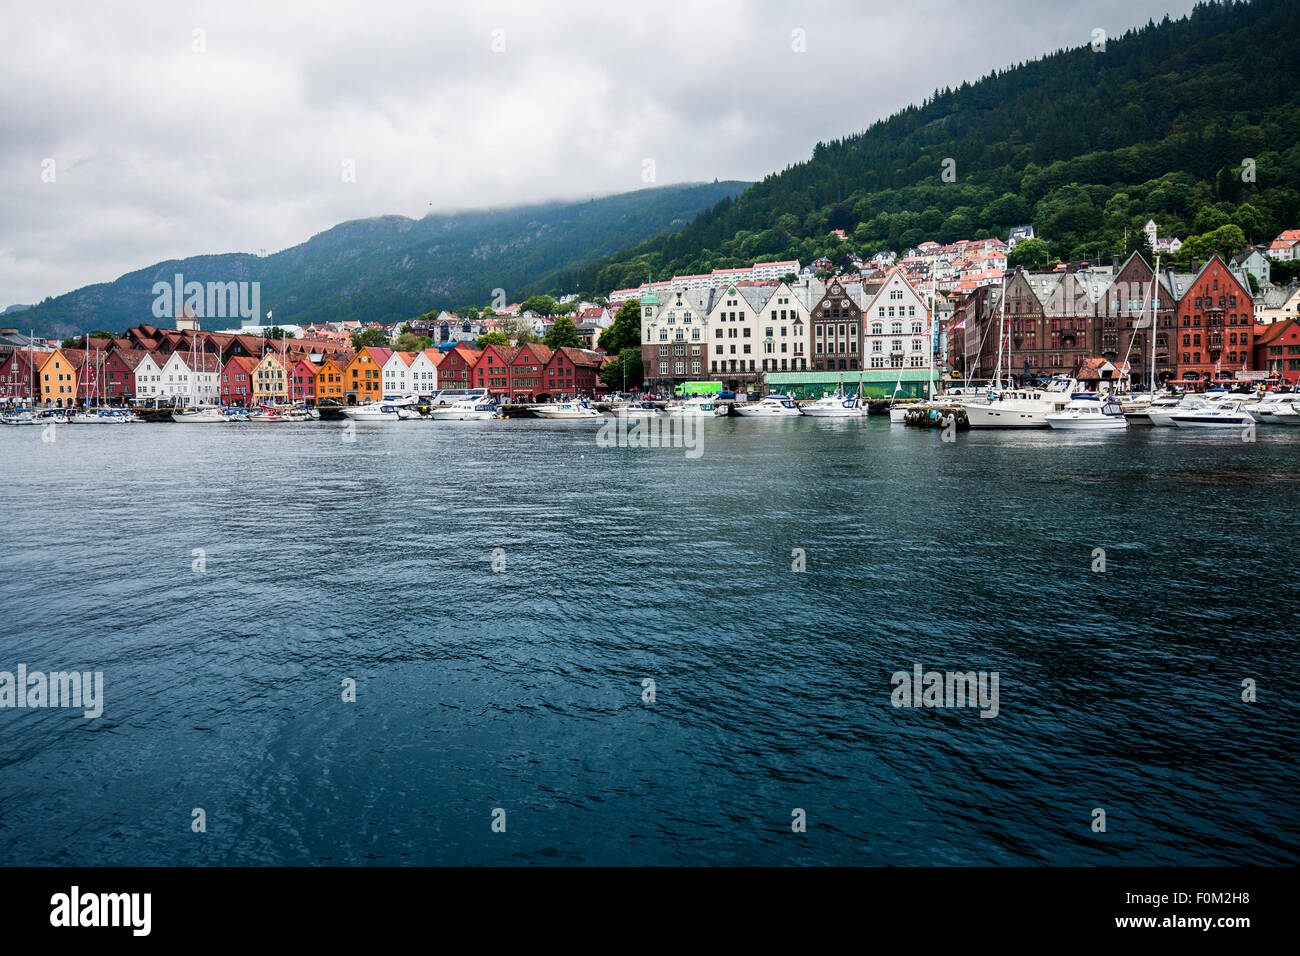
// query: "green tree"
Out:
[374,338]
[563,333]
[1030,253]
[275,332]
[625,331]
[492,338]
[541,304]
[527,337]
[406,342]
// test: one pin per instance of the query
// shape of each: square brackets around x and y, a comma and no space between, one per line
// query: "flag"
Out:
[959,325]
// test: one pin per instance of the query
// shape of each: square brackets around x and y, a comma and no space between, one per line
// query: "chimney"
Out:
[1114,263]
[1196,265]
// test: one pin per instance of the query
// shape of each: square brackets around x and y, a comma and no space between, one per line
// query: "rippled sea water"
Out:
[522,689]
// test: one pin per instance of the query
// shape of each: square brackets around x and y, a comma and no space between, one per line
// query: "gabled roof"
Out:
[541,352]
[241,363]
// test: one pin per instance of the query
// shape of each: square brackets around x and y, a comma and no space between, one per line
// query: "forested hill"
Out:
[391,268]
[1083,144]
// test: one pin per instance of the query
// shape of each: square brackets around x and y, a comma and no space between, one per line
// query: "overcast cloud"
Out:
[161,151]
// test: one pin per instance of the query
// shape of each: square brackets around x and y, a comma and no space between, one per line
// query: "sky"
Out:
[132,133]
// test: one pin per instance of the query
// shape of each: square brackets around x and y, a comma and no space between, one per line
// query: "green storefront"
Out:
[876,382]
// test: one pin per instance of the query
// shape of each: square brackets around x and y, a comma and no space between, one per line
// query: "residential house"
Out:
[424,372]
[735,325]
[1286,247]
[148,376]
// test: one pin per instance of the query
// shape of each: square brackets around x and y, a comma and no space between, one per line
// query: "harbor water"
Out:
[629,655]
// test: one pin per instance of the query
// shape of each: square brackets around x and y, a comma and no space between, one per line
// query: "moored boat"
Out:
[465,410]
[772,406]
[565,410]
[1089,414]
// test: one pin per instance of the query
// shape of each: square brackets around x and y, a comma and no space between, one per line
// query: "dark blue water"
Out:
[521,689]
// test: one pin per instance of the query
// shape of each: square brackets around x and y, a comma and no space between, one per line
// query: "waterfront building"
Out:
[573,372]
[119,368]
[148,376]
[237,381]
[674,336]
[1277,350]
[302,380]
[424,372]
[733,344]
[786,332]
[527,366]
[329,380]
[837,328]
[362,376]
[492,370]
[455,370]
[191,379]
[1215,319]
[270,383]
[58,376]
[397,374]
[19,379]
[896,326]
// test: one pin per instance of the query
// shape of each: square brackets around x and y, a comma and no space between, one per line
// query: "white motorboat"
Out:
[1089,414]
[1222,414]
[465,410]
[1140,413]
[1016,408]
[201,416]
[235,414]
[1287,414]
[836,405]
[384,410]
[573,409]
[694,406]
[1266,407]
[773,406]
[21,416]
[646,409]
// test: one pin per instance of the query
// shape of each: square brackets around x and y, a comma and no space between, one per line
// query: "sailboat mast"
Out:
[1155,319]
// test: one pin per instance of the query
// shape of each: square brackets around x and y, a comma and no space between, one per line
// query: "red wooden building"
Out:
[1213,333]
[574,372]
[492,370]
[237,380]
[528,372]
[18,380]
[456,367]
[1277,350]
